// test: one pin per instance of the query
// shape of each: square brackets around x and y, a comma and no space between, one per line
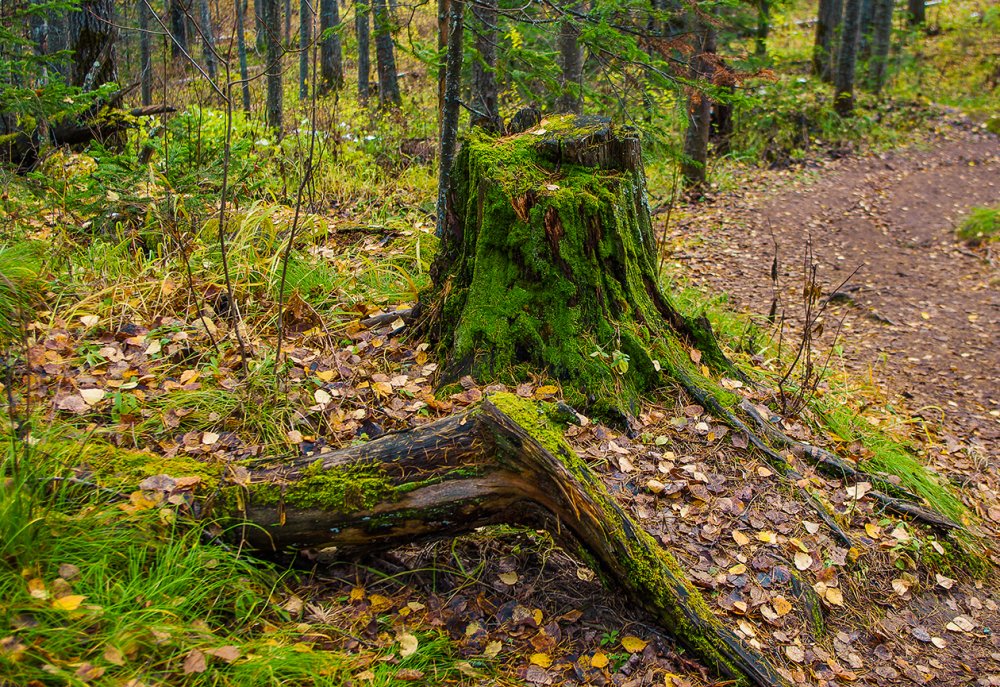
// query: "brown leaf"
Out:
[194,663]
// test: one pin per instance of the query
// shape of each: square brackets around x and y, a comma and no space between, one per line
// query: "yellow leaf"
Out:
[873,530]
[803,561]
[68,603]
[834,596]
[781,605]
[633,645]
[492,649]
[379,603]
[767,537]
[740,538]
[509,578]
[599,660]
[738,569]
[542,660]
[547,390]
[36,587]
[325,375]
[92,396]
[668,679]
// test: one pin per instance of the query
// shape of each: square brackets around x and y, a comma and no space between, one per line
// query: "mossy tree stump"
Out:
[547,263]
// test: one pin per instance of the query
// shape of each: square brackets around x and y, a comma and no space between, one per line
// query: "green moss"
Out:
[118,468]
[982,225]
[552,264]
[338,489]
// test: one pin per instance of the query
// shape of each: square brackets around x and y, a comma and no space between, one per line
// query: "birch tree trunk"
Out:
[485,95]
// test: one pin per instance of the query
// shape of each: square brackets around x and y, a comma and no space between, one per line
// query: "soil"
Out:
[922,313]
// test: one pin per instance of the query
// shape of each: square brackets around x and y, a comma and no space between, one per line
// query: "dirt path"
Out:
[924,312]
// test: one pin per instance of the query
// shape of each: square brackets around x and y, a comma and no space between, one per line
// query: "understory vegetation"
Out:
[204,291]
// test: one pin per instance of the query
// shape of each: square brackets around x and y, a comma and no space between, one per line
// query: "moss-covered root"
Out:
[627,555]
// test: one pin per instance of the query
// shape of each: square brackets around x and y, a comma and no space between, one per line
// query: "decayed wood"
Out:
[483,467]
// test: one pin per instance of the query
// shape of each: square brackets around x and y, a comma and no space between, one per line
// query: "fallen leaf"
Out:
[858,491]
[509,578]
[408,644]
[92,396]
[68,571]
[36,588]
[227,653]
[209,438]
[803,561]
[781,605]
[795,653]
[492,649]
[811,527]
[834,596]
[599,660]
[322,397]
[90,320]
[633,644]
[740,538]
[194,663]
[541,660]
[961,624]
[70,602]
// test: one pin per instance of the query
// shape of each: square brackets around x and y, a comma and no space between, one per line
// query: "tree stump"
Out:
[547,263]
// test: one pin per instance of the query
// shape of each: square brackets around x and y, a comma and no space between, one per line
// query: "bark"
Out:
[305,40]
[570,65]
[92,36]
[260,25]
[361,11]
[178,28]
[485,92]
[385,55]
[288,22]
[918,12]
[843,99]
[443,19]
[502,462]
[145,53]
[449,120]
[331,51]
[207,39]
[272,18]
[241,49]
[694,166]
[828,21]
[881,38]
[865,27]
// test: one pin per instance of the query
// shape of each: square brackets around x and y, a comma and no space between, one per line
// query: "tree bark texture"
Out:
[881,43]
[843,98]
[92,35]
[305,40]
[918,12]
[694,166]
[504,461]
[241,49]
[207,39]
[331,51]
[547,262]
[485,92]
[570,65]
[361,11]
[272,18]
[450,114]
[178,28]
[385,56]
[145,53]
[828,22]
[443,21]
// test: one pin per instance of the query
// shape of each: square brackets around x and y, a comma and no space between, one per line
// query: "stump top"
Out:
[587,140]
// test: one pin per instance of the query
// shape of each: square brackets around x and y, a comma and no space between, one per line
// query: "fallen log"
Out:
[503,461]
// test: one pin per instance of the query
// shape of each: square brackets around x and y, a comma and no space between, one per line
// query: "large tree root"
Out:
[504,461]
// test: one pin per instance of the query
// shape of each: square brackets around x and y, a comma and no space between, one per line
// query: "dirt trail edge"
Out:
[923,311]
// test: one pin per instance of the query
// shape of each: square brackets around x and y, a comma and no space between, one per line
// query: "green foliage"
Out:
[21,267]
[981,226]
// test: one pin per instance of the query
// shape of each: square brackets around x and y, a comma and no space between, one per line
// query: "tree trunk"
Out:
[504,461]
[485,95]
[449,120]
[207,39]
[145,53]
[272,18]
[865,28]
[918,12]
[571,65]
[260,25]
[881,39]
[92,36]
[305,40]
[828,21]
[288,22]
[178,28]
[843,98]
[331,53]
[547,260]
[763,27]
[388,83]
[364,49]
[694,166]
[241,49]
[443,19]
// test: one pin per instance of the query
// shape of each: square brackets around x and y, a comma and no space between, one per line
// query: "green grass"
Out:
[95,591]
[981,226]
